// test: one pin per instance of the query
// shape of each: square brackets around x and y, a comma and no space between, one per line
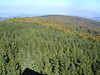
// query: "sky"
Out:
[84,8]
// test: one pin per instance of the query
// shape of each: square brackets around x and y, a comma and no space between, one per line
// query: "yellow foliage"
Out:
[48,23]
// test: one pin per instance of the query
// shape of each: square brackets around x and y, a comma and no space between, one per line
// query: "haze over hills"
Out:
[96,18]
[10,16]
[4,18]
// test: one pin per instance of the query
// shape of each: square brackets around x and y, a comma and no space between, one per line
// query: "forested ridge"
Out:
[52,45]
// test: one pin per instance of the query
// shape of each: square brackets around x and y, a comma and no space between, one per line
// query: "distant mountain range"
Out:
[20,15]
[96,18]
[4,18]
[93,18]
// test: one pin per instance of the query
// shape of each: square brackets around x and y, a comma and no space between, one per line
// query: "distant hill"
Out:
[74,19]
[4,18]
[93,18]
[72,23]
[75,23]
[96,18]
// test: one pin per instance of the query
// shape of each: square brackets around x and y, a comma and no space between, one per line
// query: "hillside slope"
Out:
[49,46]
[71,23]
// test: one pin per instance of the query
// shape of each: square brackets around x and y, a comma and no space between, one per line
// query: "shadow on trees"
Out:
[28,71]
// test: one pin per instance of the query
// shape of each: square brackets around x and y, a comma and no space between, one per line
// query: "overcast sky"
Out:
[89,8]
